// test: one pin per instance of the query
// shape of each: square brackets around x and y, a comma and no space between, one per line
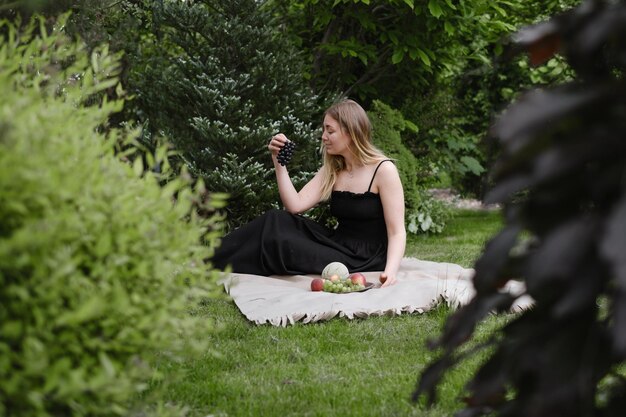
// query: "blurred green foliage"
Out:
[99,264]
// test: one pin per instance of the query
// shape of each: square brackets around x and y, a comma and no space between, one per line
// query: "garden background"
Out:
[134,134]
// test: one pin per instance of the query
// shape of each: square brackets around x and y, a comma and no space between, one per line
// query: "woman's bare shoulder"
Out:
[387,177]
[387,168]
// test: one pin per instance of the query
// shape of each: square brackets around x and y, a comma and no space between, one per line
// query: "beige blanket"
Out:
[282,300]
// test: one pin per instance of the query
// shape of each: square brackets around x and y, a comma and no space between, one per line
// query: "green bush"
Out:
[423,213]
[448,150]
[98,267]
[430,216]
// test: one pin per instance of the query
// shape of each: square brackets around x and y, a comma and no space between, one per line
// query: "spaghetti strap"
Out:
[375,171]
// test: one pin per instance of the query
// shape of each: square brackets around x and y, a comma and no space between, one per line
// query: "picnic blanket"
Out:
[283,300]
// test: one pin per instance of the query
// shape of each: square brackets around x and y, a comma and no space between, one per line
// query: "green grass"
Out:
[462,240]
[335,368]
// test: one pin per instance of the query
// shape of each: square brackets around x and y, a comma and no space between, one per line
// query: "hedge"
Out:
[99,267]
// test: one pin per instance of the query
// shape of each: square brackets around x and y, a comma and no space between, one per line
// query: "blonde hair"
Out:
[352,120]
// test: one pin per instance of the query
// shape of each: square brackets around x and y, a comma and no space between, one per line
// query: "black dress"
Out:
[281,243]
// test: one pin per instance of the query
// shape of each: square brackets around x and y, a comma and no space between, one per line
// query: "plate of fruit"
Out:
[336,279]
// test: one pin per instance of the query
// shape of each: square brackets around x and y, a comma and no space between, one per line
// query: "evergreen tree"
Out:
[216,77]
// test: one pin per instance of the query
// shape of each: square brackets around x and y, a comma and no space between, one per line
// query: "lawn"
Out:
[339,367]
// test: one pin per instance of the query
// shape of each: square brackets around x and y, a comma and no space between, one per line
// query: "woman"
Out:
[365,195]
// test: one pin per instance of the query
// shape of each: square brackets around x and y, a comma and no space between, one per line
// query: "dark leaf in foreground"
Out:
[460,325]
[560,254]
[561,177]
[619,323]
[541,41]
[540,112]
[613,249]
[430,378]
[493,260]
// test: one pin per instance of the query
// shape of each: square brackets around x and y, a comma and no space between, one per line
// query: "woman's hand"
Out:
[294,201]
[387,280]
[276,143]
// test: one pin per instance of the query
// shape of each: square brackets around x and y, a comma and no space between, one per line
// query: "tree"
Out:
[482,90]
[389,49]
[561,180]
[227,84]
[218,80]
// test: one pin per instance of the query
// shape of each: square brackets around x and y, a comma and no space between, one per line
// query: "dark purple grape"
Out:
[286,152]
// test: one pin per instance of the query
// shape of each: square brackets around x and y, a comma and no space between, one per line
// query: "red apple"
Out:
[358,278]
[317,284]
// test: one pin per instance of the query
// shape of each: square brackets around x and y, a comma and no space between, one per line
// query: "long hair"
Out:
[353,120]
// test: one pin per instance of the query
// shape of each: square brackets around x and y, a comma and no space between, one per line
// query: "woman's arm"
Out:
[294,201]
[392,197]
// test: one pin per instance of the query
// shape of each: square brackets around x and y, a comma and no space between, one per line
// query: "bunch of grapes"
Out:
[342,286]
[286,152]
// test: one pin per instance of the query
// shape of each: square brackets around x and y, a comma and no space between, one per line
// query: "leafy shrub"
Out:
[98,267]
[430,216]
[443,142]
[423,214]
[561,178]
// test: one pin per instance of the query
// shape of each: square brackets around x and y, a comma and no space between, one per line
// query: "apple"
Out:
[317,284]
[358,278]
[335,278]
